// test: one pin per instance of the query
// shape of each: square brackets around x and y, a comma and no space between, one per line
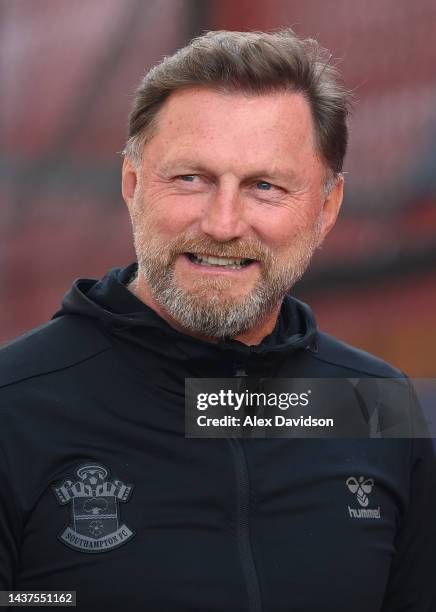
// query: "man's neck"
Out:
[250,337]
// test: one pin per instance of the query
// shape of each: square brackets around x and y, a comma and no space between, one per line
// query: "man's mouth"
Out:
[232,263]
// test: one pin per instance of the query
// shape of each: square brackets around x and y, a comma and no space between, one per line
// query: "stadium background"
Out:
[68,72]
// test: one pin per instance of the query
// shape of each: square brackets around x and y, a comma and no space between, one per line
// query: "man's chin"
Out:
[208,294]
[209,306]
[210,313]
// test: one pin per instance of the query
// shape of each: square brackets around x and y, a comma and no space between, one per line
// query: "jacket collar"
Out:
[113,306]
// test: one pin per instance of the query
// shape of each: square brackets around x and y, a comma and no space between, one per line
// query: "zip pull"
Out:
[240,373]
[240,370]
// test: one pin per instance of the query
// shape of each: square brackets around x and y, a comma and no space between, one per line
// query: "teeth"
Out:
[219,261]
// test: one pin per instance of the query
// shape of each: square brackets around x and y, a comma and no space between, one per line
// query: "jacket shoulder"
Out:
[57,344]
[341,355]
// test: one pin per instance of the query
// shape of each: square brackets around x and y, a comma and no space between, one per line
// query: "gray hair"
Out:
[252,63]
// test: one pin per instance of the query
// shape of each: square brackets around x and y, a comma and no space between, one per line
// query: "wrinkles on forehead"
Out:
[263,136]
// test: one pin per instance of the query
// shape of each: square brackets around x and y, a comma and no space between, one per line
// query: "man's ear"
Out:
[332,206]
[129,182]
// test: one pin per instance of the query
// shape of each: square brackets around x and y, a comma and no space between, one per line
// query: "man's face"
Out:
[227,206]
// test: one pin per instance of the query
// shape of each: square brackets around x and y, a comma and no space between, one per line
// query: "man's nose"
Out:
[223,216]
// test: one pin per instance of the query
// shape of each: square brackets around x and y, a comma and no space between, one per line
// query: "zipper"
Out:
[242,516]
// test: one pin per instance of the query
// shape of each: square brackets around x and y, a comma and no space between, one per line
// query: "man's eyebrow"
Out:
[175,165]
[191,165]
[277,175]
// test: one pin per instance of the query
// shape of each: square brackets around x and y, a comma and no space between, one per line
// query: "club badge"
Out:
[95,516]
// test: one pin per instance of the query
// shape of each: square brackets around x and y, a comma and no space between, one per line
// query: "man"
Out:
[232,179]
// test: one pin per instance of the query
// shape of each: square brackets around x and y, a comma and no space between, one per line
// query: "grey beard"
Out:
[206,312]
[211,316]
[204,309]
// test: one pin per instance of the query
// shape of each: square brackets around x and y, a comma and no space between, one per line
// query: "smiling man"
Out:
[228,204]
[232,177]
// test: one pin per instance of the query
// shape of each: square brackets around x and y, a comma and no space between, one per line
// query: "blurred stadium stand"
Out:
[68,72]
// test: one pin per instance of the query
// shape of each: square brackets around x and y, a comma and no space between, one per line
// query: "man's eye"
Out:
[264,190]
[189,178]
[264,185]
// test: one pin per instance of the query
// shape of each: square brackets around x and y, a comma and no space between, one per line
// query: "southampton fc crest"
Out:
[95,517]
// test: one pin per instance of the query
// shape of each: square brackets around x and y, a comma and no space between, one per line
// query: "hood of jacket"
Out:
[129,321]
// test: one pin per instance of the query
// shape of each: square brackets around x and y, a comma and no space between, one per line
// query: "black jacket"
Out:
[100,491]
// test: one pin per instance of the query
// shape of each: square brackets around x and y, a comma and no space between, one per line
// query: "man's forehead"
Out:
[199,126]
[204,108]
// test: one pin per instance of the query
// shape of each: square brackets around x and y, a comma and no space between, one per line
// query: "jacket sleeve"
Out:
[9,527]
[412,579]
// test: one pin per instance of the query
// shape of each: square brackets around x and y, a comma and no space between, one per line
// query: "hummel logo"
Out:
[362,488]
